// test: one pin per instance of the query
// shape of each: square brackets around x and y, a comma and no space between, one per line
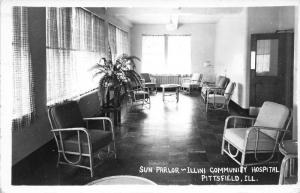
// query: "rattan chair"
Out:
[139,95]
[149,82]
[217,101]
[75,141]
[193,82]
[261,137]
[220,85]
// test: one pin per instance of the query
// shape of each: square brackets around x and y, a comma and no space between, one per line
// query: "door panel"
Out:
[270,70]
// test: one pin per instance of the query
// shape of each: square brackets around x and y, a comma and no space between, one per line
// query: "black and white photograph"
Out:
[183,94]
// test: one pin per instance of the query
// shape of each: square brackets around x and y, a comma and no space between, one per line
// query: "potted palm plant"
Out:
[113,75]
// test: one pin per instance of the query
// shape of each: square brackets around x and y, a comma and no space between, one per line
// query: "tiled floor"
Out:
[169,134]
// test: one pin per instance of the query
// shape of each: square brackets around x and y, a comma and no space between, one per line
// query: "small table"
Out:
[122,180]
[172,87]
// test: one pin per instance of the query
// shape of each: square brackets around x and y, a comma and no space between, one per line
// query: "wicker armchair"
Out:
[261,137]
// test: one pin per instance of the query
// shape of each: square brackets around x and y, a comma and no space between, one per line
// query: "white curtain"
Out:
[179,54]
[112,40]
[153,54]
[23,92]
[75,42]
[122,42]
[166,54]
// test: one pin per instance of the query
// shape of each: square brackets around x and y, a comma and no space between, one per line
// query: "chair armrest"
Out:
[237,117]
[101,119]
[267,128]
[78,129]
[71,129]
[96,118]
[61,144]
[214,89]
[208,84]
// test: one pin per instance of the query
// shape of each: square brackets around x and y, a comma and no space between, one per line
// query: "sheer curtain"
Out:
[166,54]
[75,42]
[153,53]
[112,40]
[179,54]
[122,42]
[23,92]
[60,71]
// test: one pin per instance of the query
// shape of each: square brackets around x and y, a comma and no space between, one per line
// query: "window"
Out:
[112,40]
[23,94]
[267,57]
[75,42]
[166,54]
[179,54]
[153,53]
[122,42]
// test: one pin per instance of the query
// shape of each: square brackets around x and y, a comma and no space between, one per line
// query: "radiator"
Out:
[167,79]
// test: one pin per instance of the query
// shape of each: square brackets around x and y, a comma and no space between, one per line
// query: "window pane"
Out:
[267,57]
[179,54]
[75,42]
[153,53]
[23,92]
[122,42]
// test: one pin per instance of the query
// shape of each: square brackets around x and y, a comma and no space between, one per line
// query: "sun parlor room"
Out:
[171,95]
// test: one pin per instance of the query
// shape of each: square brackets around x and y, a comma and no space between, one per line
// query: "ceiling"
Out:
[163,15]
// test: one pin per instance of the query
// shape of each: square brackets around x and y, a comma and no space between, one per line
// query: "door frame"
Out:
[284,40]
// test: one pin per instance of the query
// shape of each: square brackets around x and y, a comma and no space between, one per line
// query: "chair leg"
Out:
[227,107]
[58,159]
[282,170]
[243,159]
[108,150]
[222,147]
[91,166]
[115,150]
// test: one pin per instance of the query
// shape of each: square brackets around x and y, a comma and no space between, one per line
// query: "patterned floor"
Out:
[169,143]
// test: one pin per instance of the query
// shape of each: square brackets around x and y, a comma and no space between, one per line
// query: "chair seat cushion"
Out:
[139,95]
[216,99]
[189,85]
[99,139]
[237,137]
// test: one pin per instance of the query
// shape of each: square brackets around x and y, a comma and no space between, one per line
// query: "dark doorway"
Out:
[271,77]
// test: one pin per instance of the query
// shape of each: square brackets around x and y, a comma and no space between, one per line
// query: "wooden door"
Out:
[271,77]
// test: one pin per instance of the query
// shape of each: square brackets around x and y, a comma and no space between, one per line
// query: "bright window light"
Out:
[166,54]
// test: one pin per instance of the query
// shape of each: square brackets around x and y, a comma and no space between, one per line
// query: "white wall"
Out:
[202,43]
[231,54]
[286,18]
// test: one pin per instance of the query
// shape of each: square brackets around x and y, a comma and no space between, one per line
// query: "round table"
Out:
[172,87]
[122,180]
[289,148]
